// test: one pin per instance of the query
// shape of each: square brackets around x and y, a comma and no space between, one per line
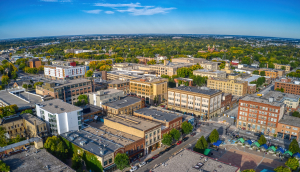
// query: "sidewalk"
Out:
[144,158]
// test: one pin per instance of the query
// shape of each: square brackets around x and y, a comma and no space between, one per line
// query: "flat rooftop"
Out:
[106,92]
[69,82]
[150,79]
[186,160]
[227,80]
[252,78]
[173,65]
[123,102]
[117,136]
[31,161]
[65,67]
[290,120]
[58,106]
[134,122]
[117,82]
[92,143]
[280,96]
[164,116]
[201,90]
[208,71]
[261,99]
[92,109]
[30,118]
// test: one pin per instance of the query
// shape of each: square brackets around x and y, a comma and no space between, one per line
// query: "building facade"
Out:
[104,96]
[287,67]
[272,73]
[63,72]
[153,90]
[291,87]
[289,128]
[209,73]
[34,63]
[202,102]
[235,87]
[120,85]
[61,117]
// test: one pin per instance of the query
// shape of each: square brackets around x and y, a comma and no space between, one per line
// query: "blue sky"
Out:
[31,18]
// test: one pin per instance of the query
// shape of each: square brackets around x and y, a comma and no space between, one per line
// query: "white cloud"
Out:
[109,12]
[136,8]
[92,11]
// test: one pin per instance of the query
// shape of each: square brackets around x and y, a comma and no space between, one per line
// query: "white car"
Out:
[267,137]
[133,168]
[142,164]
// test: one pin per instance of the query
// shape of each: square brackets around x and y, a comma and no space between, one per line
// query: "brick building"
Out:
[272,73]
[251,89]
[289,86]
[35,62]
[289,128]
[91,113]
[226,102]
[120,85]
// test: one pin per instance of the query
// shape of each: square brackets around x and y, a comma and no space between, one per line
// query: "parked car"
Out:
[142,164]
[167,149]
[248,132]
[155,156]
[193,133]
[134,168]
[179,142]
[162,152]
[162,106]
[257,134]
[268,137]
[149,160]
[275,139]
[185,139]
[172,146]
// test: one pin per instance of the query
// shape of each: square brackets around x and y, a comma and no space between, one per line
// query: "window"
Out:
[105,163]
[110,160]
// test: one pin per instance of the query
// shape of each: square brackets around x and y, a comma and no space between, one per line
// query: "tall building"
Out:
[61,117]
[235,87]
[120,85]
[287,67]
[63,72]
[104,96]
[67,91]
[209,73]
[289,86]
[35,62]
[152,89]
[202,102]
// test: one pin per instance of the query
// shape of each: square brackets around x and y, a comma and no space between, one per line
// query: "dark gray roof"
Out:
[19,99]
[201,90]
[58,106]
[92,143]
[159,115]
[117,82]
[123,102]
[11,118]
[290,120]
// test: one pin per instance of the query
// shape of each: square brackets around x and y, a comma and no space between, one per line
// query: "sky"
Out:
[34,18]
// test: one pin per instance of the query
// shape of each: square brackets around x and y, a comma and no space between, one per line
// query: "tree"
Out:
[249,170]
[256,72]
[3,139]
[61,150]
[82,100]
[186,127]
[167,139]
[151,62]
[296,114]
[8,110]
[262,73]
[282,169]
[201,145]
[175,134]
[214,136]
[25,86]
[27,111]
[294,146]
[51,144]
[119,60]
[280,89]
[5,79]
[4,167]
[283,67]
[122,161]
[89,73]
[37,84]
[292,163]
[76,161]
[262,140]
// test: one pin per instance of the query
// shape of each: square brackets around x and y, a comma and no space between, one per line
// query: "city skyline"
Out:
[36,18]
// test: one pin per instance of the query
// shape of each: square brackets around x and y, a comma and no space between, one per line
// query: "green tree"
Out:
[294,146]
[186,127]
[4,167]
[167,139]
[27,111]
[5,79]
[119,60]
[175,134]
[256,72]
[37,84]
[201,145]
[51,144]
[76,162]
[82,100]
[282,169]
[292,163]
[151,62]
[249,170]
[296,114]
[280,89]
[262,73]
[61,150]
[262,140]
[25,86]
[283,67]
[214,136]
[3,139]
[89,73]
[122,161]
[8,110]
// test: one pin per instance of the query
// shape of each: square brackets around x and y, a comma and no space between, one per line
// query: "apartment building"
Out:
[126,66]
[202,102]
[35,62]
[260,114]
[120,85]
[189,60]
[209,73]
[168,68]
[67,91]
[25,125]
[272,73]
[63,63]
[289,128]
[168,119]
[280,66]
[122,75]
[91,113]
[149,130]
[56,72]
[289,86]
[104,96]
[235,87]
[210,65]
[125,106]
[152,89]
[61,117]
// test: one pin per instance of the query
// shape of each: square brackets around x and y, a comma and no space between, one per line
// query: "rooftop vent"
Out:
[62,109]
[50,104]
[271,99]
[56,106]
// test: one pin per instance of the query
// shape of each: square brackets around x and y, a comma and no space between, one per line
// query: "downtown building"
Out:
[289,86]
[56,72]
[202,102]
[233,86]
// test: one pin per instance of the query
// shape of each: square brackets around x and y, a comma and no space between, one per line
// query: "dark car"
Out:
[149,160]
[155,156]
[162,152]
[167,149]
[173,145]
[192,134]
[185,139]
[257,134]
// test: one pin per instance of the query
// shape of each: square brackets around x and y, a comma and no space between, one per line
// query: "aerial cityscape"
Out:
[166,86]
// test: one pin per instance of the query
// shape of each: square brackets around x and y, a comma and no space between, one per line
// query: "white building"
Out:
[63,72]
[104,96]
[61,117]
[83,51]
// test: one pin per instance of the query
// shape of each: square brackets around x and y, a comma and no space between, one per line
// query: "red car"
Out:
[155,156]
[179,142]
[162,106]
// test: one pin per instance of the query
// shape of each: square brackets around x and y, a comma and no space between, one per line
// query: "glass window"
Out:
[105,163]
[110,160]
